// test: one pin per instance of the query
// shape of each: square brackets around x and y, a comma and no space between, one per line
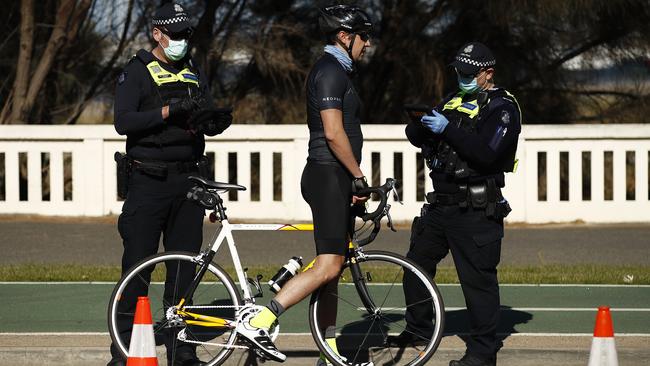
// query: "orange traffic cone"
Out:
[142,350]
[603,350]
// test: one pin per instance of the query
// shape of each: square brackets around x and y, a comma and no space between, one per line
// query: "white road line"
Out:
[451,308]
[63,334]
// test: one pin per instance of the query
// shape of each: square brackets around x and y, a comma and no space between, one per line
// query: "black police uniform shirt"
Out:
[134,85]
[330,87]
[486,151]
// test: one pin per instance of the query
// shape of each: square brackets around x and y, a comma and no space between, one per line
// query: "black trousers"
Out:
[156,206]
[475,245]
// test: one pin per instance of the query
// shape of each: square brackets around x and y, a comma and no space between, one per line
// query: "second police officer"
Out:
[469,141]
[163,106]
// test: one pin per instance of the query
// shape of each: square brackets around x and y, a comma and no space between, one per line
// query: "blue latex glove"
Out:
[435,123]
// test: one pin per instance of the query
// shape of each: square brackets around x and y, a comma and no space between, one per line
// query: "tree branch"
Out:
[101,76]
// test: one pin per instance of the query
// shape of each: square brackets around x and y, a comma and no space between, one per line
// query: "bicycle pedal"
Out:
[260,356]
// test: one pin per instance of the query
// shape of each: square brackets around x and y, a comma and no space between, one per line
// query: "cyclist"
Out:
[332,174]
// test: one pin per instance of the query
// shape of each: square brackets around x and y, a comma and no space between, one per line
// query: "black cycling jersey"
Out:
[330,87]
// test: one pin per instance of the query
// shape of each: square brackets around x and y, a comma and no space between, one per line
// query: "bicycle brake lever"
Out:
[397,196]
[390,220]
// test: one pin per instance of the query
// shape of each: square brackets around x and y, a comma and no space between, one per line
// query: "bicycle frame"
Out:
[225,234]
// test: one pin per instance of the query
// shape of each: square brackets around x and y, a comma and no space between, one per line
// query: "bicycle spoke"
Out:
[152,289]
[162,325]
[344,300]
[391,287]
[363,342]
[408,331]
[385,336]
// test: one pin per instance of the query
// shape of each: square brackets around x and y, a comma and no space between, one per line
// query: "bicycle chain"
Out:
[215,344]
[213,306]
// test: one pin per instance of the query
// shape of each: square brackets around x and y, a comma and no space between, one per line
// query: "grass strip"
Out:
[546,274]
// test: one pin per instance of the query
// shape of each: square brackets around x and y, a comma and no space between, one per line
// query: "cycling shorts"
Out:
[327,189]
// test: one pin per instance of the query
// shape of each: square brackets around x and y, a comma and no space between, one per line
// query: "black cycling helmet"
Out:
[348,18]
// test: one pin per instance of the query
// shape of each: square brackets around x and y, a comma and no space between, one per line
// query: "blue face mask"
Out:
[468,85]
[176,50]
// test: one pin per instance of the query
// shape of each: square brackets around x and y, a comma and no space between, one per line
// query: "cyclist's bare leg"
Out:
[329,300]
[326,268]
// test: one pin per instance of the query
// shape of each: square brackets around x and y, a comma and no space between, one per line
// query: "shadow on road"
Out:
[457,322]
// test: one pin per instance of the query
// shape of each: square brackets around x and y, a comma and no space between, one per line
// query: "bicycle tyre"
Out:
[349,329]
[222,290]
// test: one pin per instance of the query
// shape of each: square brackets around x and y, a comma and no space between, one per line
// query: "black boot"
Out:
[407,339]
[472,360]
[186,358]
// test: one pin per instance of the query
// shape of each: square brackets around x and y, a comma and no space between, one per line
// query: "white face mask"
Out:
[175,50]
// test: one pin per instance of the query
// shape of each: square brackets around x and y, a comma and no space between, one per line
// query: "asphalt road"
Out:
[96,241]
[81,307]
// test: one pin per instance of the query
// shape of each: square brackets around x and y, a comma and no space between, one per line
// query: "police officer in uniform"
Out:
[158,98]
[469,142]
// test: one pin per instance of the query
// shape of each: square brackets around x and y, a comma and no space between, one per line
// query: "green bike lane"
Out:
[530,309]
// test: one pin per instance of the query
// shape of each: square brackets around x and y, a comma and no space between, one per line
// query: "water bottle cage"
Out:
[256,283]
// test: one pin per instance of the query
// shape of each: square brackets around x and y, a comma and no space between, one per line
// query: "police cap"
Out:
[172,17]
[472,57]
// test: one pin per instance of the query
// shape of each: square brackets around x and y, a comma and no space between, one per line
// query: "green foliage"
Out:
[257,54]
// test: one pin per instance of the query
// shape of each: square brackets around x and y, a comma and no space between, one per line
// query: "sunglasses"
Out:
[364,36]
[467,76]
[185,34]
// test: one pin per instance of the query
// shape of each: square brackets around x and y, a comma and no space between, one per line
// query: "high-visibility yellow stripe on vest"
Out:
[470,108]
[161,76]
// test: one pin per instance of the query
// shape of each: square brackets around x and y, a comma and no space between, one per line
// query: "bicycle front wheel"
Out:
[164,278]
[374,309]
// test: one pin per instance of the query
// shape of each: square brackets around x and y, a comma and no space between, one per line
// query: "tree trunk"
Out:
[24,60]
[68,16]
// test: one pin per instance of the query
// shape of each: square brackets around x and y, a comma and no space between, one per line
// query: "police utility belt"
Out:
[157,169]
[479,196]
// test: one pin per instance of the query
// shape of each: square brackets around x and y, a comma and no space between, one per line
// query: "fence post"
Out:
[88,176]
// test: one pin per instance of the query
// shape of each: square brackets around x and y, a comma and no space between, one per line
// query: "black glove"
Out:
[359,184]
[186,105]
[212,121]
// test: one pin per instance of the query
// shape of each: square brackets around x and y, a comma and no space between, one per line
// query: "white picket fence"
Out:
[616,156]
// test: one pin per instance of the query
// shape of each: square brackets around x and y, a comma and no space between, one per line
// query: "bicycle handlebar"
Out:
[382,209]
[382,191]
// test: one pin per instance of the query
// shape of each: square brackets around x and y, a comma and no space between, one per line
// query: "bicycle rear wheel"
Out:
[164,278]
[361,334]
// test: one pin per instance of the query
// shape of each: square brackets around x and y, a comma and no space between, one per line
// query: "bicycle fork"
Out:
[362,288]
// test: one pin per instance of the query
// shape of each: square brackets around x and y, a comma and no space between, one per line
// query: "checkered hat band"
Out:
[476,63]
[170,20]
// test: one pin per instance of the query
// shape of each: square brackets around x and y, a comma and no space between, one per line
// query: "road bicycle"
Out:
[371,304]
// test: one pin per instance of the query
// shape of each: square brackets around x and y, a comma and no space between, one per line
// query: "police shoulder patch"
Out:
[505,117]
[121,78]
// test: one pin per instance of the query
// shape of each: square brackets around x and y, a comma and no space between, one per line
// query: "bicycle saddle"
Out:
[216,185]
